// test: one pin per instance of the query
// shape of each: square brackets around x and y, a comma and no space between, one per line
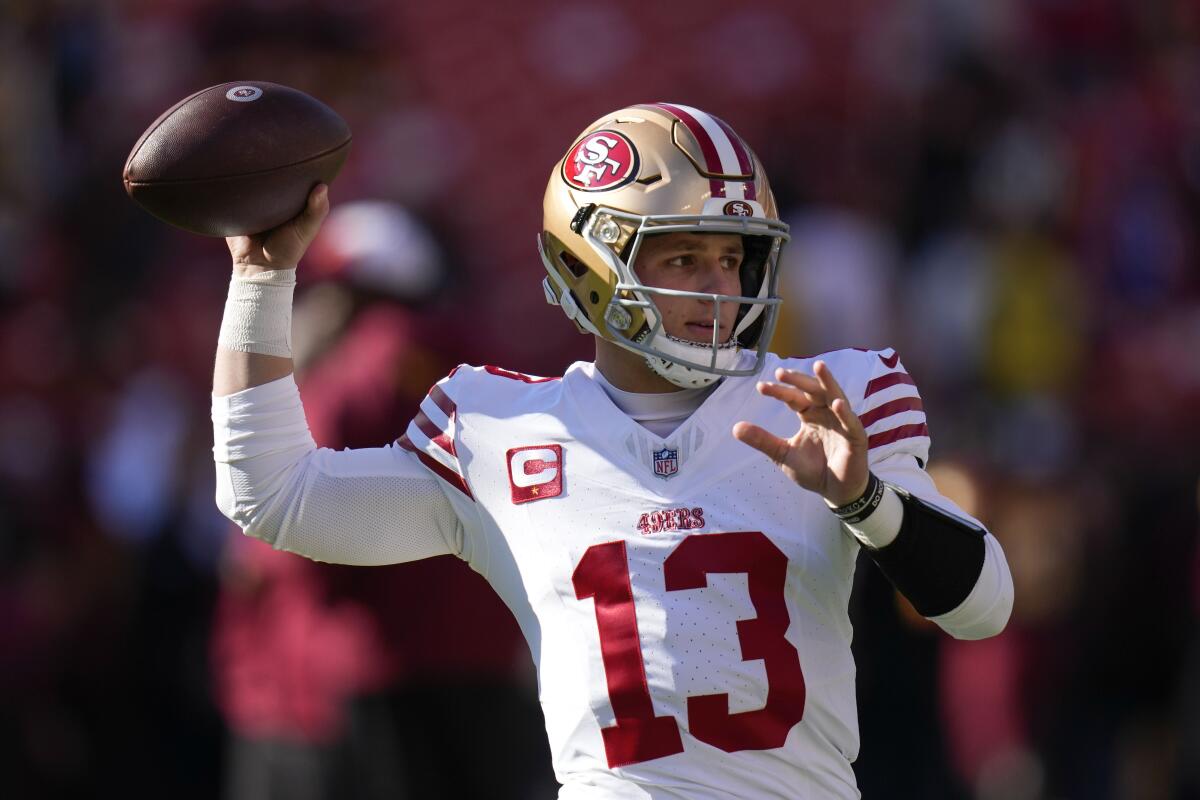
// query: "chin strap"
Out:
[687,377]
[678,374]
[707,348]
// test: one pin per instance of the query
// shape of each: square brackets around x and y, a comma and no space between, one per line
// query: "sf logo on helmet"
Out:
[602,160]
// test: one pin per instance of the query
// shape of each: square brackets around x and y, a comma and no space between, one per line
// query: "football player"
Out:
[674,525]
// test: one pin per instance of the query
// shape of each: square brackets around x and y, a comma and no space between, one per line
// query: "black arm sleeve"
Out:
[936,558]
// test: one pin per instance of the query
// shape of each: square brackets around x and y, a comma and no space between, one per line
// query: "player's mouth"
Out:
[702,331]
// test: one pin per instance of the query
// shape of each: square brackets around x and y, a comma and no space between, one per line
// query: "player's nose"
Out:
[715,278]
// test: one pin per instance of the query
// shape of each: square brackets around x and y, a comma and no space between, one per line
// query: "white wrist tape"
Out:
[883,526]
[258,313]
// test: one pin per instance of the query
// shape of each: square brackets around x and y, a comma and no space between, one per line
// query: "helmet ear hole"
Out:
[757,251]
[749,337]
[577,267]
[754,267]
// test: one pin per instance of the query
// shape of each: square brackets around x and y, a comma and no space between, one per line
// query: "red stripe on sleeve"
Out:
[442,400]
[896,434]
[517,376]
[869,418]
[450,477]
[890,379]
[435,434]
[437,467]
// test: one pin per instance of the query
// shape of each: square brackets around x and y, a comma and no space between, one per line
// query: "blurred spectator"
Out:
[342,682]
[839,281]
[1003,191]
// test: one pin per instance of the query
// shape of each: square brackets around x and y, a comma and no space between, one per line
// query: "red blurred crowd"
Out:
[1003,191]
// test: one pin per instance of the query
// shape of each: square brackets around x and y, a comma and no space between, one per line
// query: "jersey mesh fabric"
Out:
[366,507]
[373,520]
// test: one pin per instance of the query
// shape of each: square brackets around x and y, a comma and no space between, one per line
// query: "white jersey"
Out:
[685,602]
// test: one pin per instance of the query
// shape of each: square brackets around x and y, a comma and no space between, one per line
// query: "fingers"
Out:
[285,244]
[802,381]
[848,419]
[314,213]
[237,245]
[821,388]
[839,404]
[828,383]
[801,392]
[797,400]
[766,443]
[817,398]
[820,384]
[318,200]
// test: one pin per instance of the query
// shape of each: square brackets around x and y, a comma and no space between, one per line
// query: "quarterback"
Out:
[674,525]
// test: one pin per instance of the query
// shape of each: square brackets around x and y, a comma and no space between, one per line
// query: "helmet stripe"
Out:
[730,164]
[742,156]
[712,161]
[723,153]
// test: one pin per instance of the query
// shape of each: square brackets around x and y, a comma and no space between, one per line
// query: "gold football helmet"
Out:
[652,169]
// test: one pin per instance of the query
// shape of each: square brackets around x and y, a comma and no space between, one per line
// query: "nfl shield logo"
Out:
[666,462]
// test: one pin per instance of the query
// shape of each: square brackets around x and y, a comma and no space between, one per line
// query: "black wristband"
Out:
[864,506]
[936,558]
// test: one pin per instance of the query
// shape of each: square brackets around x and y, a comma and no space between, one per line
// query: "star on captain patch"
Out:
[666,462]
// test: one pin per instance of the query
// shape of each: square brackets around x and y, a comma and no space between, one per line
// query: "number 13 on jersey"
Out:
[638,735]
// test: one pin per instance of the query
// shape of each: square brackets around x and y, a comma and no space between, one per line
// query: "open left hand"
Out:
[828,455]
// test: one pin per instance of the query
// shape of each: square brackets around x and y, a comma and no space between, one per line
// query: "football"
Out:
[237,158]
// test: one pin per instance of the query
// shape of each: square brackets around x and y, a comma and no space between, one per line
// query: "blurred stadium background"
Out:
[1006,191]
